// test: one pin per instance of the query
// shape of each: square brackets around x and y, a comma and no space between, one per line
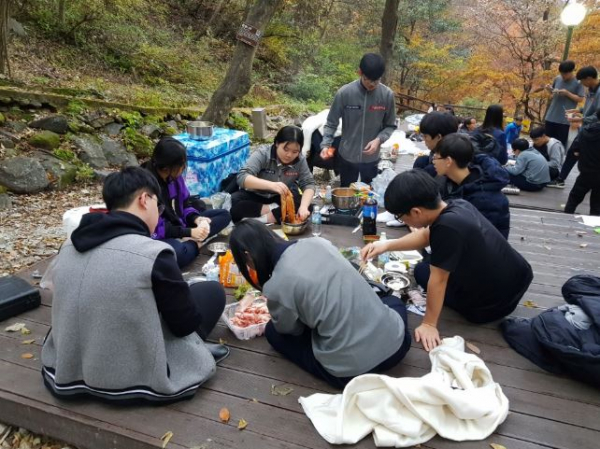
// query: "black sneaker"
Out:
[556,184]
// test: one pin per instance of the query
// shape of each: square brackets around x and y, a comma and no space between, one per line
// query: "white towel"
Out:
[458,400]
[313,123]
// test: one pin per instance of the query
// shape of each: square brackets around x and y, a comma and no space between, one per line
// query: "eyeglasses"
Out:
[161,207]
[398,217]
[437,157]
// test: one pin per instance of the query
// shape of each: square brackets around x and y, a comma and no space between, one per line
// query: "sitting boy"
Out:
[473,269]
[552,149]
[433,127]
[479,179]
[531,172]
[125,325]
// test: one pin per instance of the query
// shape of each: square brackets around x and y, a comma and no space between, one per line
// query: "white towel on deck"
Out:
[458,400]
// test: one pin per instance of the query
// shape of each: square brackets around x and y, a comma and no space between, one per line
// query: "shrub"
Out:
[137,143]
[64,154]
[84,173]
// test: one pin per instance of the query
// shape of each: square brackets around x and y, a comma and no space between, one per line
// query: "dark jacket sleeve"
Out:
[173,299]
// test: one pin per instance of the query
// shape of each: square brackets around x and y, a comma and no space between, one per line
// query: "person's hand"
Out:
[561,92]
[572,111]
[575,154]
[303,213]
[280,188]
[428,335]
[548,87]
[201,219]
[373,250]
[372,147]
[201,232]
[575,118]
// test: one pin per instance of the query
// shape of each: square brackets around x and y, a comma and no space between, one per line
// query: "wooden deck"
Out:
[547,411]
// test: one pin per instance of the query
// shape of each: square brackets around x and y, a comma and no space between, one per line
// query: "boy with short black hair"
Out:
[513,130]
[126,326]
[473,269]
[531,172]
[479,179]
[433,127]
[552,150]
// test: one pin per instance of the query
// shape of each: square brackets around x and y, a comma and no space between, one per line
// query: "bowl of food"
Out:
[218,247]
[294,228]
[345,198]
[396,281]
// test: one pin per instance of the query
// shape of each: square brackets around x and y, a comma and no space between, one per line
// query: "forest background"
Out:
[175,53]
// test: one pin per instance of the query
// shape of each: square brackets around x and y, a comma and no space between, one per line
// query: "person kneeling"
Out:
[326,318]
[531,172]
[125,325]
[473,269]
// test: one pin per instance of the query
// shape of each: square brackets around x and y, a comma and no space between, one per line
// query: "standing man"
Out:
[368,112]
[566,92]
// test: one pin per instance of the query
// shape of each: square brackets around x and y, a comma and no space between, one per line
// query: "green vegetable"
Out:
[241,291]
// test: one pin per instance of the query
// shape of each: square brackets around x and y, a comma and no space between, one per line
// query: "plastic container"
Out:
[315,221]
[242,333]
[384,257]
[328,195]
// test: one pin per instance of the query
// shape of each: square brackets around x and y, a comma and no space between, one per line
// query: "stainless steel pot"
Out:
[396,281]
[294,229]
[344,198]
[200,130]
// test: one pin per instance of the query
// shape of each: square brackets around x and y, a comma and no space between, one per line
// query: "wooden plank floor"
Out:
[547,411]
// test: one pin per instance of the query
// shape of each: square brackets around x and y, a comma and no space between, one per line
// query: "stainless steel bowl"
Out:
[218,247]
[294,229]
[344,198]
[200,130]
[396,281]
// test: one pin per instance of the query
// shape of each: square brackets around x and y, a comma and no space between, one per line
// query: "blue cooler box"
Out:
[211,161]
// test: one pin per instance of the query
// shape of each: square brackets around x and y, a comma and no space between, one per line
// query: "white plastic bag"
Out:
[381,182]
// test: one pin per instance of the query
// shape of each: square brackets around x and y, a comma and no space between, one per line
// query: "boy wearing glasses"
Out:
[126,327]
[368,113]
[473,269]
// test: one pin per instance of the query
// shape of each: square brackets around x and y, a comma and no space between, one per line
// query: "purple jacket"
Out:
[176,220]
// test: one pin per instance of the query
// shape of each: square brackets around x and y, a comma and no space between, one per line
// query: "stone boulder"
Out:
[152,131]
[17,127]
[5,201]
[90,151]
[6,142]
[46,140]
[23,175]
[116,153]
[16,28]
[113,129]
[60,173]
[97,120]
[55,123]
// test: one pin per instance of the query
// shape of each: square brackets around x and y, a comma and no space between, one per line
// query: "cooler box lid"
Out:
[223,142]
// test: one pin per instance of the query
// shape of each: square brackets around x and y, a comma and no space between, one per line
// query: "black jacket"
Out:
[173,299]
[587,144]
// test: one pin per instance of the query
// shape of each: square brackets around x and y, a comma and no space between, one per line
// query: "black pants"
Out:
[298,349]
[210,297]
[522,183]
[584,183]
[349,171]
[554,173]
[246,204]
[559,131]
[314,158]
[570,161]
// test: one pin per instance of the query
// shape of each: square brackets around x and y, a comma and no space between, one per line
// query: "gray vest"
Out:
[107,336]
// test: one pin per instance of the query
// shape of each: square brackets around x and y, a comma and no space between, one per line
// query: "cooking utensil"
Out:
[294,229]
[216,248]
[396,281]
[344,198]
[198,130]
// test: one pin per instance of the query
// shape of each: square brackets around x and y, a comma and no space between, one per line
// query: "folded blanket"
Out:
[458,400]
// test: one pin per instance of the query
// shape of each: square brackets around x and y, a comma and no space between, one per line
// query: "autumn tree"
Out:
[4,60]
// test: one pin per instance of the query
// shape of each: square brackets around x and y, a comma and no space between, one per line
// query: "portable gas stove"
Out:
[331,215]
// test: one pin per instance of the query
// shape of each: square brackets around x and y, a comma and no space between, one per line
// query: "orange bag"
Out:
[229,274]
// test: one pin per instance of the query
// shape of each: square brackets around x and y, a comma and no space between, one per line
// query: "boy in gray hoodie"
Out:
[531,172]
[552,149]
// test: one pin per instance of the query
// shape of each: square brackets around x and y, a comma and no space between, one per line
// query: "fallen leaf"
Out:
[28,342]
[242,424]
[280,390]
[583,245]
[27,355]
[224,415]
[15,327]
[222,341]
[497,446]
[166,438]
[529,303]
[25,331]
[473,348]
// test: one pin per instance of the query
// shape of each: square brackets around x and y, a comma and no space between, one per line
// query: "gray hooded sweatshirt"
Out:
[365,116]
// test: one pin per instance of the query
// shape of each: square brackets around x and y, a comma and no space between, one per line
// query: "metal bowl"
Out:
[218,247]
[294,229]
[396,281]
[198,130]
[344,198]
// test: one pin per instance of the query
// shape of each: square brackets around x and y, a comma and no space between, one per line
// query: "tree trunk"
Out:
[61,13]
[389,24]
[237,81]
[214,15]
[4,61]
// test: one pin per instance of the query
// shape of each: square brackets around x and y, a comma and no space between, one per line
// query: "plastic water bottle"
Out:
[328,195]
[369,226]
[315,221]
[384,257]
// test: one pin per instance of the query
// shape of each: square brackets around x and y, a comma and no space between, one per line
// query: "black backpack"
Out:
[485,143]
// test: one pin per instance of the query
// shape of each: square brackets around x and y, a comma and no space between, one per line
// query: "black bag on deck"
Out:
[229,184]
[17,296]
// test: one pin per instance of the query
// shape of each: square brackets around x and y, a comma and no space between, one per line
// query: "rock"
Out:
[55,123]
[172,124]
[97,120]
[23,175]
[2,119]
[116,153]
[6,142]
[151,131]
[5,201]
[101,174]
[79,127]
[45,139]
[16,28]
[90,151]
[35,104]
[18,127]
[6,100]
[60,173]
[9,135]
[113,129]
[277,119]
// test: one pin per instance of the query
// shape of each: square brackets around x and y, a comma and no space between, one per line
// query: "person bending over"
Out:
[531,172]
